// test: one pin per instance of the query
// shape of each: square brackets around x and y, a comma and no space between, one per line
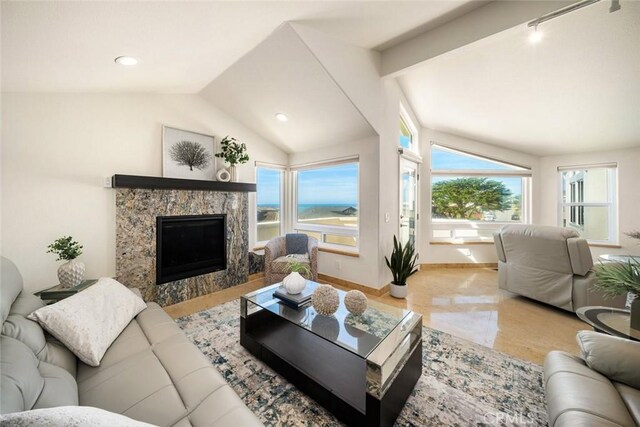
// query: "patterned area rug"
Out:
[462,383]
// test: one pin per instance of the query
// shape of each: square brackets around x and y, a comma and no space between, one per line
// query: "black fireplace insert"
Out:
[190,245]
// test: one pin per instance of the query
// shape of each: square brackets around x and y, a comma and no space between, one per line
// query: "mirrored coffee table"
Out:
[361,368]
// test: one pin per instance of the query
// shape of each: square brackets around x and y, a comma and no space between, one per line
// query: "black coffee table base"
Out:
[329,374]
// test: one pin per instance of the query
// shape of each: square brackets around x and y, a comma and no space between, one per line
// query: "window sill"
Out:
[605,245]
[462,242]
[322,249]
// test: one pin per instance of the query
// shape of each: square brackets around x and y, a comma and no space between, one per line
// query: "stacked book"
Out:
[295,300]
[58,293]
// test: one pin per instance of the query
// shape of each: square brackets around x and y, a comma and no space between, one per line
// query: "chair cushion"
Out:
[616,358]
[282,265]
[297,243]
[89,321]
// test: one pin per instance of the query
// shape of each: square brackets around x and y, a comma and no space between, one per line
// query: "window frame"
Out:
[282,169]
[325,229]
[405,119]
[524,172]
[612,203]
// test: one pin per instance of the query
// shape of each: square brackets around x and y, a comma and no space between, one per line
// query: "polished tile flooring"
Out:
[464,302]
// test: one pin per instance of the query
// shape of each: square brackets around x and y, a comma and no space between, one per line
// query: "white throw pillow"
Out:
[69,416]
[89,321]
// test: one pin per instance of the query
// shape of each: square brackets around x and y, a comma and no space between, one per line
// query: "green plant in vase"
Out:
[234,153]
[71,273]
[402,265]
[620,278]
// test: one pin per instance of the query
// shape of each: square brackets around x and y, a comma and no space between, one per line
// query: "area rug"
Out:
[462,383]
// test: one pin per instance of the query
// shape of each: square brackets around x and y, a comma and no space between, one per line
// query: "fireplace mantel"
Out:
[159,183]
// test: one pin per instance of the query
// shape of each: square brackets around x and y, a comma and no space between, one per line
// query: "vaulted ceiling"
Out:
[578,89]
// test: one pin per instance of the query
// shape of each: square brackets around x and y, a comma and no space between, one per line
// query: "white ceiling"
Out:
[577,90]
[70,46]
[282,74]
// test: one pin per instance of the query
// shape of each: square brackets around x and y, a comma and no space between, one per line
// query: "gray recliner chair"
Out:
[549,264]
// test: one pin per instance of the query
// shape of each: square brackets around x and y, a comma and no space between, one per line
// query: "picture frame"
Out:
[187,154]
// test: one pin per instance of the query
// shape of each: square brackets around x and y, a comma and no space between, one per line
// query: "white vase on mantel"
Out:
[71,273]
[232,172]
[294,283]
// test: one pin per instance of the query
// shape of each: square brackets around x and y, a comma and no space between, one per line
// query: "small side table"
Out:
[612,321]
[58,293]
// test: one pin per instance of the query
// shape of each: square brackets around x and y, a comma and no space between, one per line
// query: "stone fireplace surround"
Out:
[136,212]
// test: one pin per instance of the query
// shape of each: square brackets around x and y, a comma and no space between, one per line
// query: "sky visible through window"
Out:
[334,185]
[268,181]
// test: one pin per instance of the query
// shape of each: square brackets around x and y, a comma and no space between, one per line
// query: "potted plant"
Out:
[402,265]
[619,278]
[294,283]
[71,272]
[234,153]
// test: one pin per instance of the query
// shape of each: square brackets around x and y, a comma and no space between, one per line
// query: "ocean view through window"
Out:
[326,202]
[269,202]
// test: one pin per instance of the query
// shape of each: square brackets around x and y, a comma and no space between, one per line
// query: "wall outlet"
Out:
[387,217]
[466,251]
[106,182]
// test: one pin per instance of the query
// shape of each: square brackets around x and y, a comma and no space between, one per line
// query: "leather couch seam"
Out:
[576,373]
[586,412]
[149,395]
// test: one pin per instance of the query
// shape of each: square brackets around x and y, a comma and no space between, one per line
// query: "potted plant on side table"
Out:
[402,265]
[71,272]
[234,153]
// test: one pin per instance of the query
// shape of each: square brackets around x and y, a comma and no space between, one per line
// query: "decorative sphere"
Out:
[356,302]
[325,300]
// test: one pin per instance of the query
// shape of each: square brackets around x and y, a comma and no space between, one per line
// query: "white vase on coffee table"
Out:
[294,283]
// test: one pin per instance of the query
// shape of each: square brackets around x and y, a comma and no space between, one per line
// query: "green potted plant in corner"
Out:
[71,272]
[619,278]
[402,265]
[234,153]
[295,282]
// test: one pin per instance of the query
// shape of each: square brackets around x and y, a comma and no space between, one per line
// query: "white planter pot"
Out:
[294,283]
[398,291]
[71,273]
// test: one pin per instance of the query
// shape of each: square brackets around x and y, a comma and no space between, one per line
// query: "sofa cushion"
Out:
[631,398]
[10,286]
[60,388]
[616,358]
[70,416]
[153,373]
[89,321]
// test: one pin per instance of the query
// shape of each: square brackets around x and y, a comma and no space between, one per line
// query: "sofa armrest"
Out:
[616,358]
[580,256]
[497,239]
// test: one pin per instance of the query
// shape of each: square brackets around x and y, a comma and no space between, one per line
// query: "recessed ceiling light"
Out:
[536,36]
[126,60]
[282,117]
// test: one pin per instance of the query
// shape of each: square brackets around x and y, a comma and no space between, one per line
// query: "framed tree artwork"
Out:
[187,154]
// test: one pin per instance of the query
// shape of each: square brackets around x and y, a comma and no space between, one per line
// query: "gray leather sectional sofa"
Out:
[549,264]
[598,389]
[151,373]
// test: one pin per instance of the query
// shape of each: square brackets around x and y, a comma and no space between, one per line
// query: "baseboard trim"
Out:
[255,276]
[434,266]
[352,285]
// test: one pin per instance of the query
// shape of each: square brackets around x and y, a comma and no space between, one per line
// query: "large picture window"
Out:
[269,193]
[587,202]
[472,196]
[326,203]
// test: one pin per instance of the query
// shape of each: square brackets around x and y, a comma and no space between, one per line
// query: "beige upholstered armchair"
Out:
[548,264]
[277,261]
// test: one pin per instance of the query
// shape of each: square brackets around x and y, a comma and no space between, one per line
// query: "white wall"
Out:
[628,195]
[479,253]
[362,270]
[57,148]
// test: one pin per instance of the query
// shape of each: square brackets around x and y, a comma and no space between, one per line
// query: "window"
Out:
[326,203]
[408,132]
[587,201]
[268,202]
[406,137]
[472,196]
